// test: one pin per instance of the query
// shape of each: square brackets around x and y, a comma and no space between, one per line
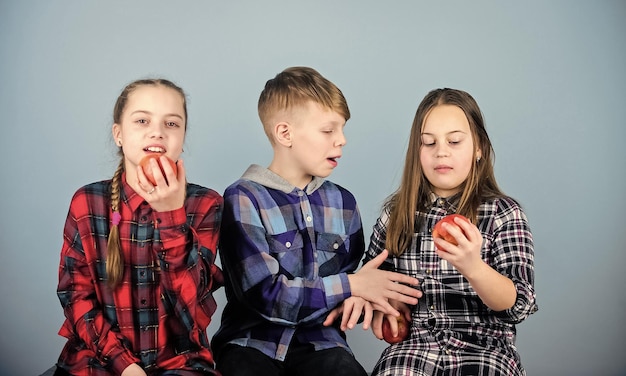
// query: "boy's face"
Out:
[316,141]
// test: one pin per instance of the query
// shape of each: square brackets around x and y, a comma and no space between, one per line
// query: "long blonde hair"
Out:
[115,261]
[414,193]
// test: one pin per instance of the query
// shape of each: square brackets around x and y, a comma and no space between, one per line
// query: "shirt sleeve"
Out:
[257,278]
[186,253]
[513,251]
[78,294]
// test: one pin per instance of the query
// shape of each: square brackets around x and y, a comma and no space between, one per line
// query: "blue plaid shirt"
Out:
[286,253]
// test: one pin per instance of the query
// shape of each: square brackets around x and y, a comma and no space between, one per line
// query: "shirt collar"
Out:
[265,177]
[450,203]
[129,196]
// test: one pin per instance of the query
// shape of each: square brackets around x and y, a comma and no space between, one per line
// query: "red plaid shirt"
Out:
[158,315]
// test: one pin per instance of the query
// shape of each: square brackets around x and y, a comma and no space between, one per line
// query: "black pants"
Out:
[300,361]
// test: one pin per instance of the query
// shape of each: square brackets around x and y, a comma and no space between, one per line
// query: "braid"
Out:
[114,263]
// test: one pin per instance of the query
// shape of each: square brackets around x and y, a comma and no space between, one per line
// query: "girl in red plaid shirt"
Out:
[137,272]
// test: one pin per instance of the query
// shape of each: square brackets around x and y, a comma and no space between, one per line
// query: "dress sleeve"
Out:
[377,241]
[513,256]
[257,278]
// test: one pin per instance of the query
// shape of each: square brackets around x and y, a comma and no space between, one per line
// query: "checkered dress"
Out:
[452,331]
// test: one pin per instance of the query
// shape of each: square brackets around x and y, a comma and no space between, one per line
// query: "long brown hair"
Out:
[414,192]
[115,261]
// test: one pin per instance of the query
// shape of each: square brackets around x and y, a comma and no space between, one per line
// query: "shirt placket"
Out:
[145,280]
[310,270]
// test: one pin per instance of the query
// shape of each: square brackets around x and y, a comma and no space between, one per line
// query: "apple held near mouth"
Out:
[403,330]
[147,170]
[440,232]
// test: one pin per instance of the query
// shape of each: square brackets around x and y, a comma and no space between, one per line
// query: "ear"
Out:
[282,134]
[116,131]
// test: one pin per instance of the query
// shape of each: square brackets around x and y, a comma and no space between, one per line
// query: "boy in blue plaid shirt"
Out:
[291,243]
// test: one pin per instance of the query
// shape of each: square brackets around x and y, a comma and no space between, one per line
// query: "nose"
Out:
[341,139]
[442,149]
[156,130]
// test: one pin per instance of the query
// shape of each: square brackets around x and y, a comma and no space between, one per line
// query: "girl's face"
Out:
[447,152]
[152,122]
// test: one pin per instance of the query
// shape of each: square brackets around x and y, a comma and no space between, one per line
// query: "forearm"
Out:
[495,290]
[189,275]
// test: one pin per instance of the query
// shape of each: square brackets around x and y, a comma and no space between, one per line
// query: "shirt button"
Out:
[144,218]
[336,246]
[428,271]
[300,193]
[143,301]
[441,201]
[308,218]
[448,351]
[288,244]
[432,307]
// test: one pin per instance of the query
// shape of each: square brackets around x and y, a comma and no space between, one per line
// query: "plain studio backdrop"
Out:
[550,78]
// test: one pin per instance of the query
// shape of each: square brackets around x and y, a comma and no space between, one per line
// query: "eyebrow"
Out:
[457,131]
[150,113]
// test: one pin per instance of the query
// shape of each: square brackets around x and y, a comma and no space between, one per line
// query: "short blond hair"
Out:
[293,87]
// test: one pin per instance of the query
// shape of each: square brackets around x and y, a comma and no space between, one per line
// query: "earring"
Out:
[478,159]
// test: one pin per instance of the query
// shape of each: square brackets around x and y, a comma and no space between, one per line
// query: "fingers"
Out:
[377,324]
[386,308]
[332,316]
[367,315]
[402,278]
[352,315]
[376,261]
[393,324]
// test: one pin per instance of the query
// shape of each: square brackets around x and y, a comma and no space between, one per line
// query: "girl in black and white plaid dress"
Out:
[474,292]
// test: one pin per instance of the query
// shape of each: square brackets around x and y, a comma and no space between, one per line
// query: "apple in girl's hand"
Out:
[440,232]
[145,165]
[403,330]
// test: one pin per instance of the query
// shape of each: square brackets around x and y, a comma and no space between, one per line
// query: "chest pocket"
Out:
[332,251]
[287,248]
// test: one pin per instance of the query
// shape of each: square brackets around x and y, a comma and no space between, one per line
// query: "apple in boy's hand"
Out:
[147,170]
[440,232]
[403,330]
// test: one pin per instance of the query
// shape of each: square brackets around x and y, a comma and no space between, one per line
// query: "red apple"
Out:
[147,170]
[403,330]
[440,232]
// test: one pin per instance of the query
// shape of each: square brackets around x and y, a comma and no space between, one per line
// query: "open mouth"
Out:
[154,149]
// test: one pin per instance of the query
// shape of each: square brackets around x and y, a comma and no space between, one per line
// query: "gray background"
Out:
[549,77]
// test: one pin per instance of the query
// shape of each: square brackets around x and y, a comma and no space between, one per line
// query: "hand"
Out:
[378,317]
[163,196]
[465,256]
[351,311]
[133,370]
[379,286]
